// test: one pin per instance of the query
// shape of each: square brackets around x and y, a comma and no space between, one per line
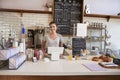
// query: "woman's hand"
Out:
[62,56]
[45,54]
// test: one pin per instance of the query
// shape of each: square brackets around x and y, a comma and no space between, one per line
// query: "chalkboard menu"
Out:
[77,45]
[66,14]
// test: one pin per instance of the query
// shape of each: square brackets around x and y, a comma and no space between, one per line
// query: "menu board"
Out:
[77,45]
[66,14]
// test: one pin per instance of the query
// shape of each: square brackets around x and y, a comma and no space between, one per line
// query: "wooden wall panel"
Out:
[83,77]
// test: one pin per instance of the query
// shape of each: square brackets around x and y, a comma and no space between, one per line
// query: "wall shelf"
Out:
[94,28]
[102,16]
[25,11]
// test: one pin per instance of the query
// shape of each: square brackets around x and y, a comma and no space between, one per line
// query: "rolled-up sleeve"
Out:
[61,38]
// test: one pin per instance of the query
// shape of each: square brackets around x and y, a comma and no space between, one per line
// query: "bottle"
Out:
[70,57]
[23,30]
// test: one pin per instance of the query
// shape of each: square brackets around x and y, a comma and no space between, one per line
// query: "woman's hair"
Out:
[52,23]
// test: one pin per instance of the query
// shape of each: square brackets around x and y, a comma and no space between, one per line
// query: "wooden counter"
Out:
[58,70]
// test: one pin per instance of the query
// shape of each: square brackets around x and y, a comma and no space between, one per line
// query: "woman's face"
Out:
[53,27]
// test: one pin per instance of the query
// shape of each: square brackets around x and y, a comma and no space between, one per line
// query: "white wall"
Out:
[12,20]
[104,6]
[24,4]
[114,30]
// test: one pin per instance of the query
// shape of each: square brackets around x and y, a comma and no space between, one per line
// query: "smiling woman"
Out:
[52,39]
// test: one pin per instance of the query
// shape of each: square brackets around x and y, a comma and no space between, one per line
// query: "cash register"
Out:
[55,52]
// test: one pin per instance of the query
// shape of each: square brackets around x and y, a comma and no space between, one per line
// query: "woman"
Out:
[52,39]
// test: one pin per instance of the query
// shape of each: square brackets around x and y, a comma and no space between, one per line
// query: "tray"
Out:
[109,66]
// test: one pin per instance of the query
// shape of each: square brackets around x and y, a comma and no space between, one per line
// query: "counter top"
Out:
[61,68]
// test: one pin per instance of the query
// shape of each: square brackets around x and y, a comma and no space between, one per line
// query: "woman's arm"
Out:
[61,44]
[61,40]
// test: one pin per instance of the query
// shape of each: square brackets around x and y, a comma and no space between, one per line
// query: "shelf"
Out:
[25,11]
[92,40]
[94,28]
[102,16]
